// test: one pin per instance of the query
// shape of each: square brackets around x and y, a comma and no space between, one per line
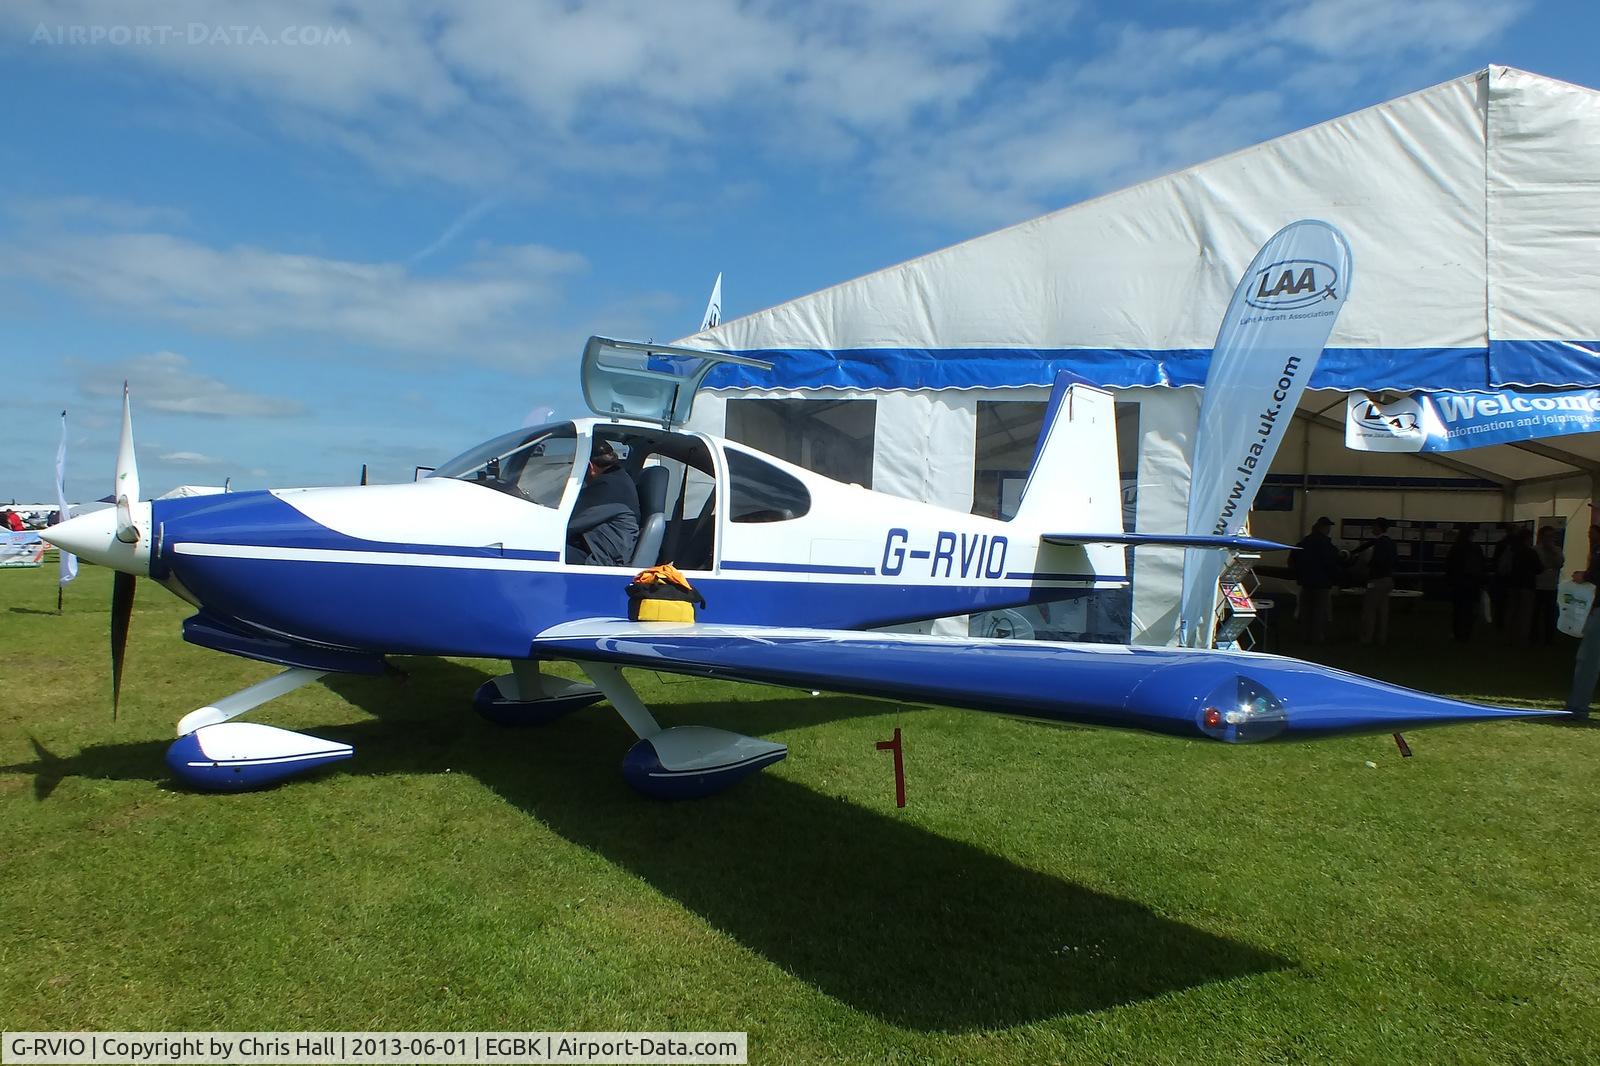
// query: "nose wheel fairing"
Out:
[213,753]
[243,756]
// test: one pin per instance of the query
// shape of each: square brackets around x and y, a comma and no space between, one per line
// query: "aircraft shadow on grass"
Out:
[922,931]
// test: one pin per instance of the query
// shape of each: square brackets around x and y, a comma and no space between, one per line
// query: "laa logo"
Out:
[1293,283]
[1400,419]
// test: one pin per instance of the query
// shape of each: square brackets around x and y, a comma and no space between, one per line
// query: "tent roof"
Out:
[1470,207]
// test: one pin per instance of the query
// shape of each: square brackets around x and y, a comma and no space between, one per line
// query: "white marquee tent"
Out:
[1473,212]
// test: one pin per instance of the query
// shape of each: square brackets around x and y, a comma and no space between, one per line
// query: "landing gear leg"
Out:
[683,762]
[247,699]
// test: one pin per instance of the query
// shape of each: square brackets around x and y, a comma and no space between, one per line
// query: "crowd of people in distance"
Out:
[1513,587]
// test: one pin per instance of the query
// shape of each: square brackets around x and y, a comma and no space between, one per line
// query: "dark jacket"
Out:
[605,521]
[1525,567]
[1315,562]
[1381,564]
[1464,566]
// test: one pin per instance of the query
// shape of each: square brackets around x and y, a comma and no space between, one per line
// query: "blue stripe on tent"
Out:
[1525,362]
[1549,362]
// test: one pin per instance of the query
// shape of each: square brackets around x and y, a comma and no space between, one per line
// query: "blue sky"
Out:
[315,234]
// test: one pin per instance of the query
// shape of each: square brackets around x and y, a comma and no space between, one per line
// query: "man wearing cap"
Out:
[605,520]
[1316,568]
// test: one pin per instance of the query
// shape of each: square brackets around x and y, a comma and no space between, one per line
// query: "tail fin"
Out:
[1074,484]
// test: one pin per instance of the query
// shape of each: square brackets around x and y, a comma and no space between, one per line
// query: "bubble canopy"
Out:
[531,463]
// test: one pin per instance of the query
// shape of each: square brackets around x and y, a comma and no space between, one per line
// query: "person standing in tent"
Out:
[1522,578]
[1499,578]
[1315,562]
[1464,571]
[1380,582]
[1586,667]
[1551,560]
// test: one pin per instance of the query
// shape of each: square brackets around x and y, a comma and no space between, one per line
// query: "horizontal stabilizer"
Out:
[1233,542]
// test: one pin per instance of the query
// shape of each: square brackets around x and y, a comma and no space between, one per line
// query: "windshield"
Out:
[532,464]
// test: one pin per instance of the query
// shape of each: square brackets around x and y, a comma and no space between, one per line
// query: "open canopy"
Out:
[1469,208]
[649,382]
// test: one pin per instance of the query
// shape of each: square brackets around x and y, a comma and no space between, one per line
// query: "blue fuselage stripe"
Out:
[796,568]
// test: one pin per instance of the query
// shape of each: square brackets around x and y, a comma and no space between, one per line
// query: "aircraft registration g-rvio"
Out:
[795,569]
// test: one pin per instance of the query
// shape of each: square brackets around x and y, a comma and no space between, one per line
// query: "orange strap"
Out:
[665,574]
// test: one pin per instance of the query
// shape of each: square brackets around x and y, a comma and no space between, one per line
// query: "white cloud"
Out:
[1156,99]
[927,96]
[1364,31]
[247,291]
[54,213]
[164,382]
[479,93]
[192,459]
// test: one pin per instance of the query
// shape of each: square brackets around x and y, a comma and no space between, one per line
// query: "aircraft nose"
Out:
[93,538]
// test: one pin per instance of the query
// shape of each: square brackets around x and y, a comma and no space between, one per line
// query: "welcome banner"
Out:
[1453,421]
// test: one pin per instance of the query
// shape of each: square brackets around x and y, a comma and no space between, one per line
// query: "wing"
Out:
[1230,696]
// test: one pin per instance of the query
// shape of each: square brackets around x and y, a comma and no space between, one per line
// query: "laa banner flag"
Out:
[1452,421]
[69,562]
[1270,340]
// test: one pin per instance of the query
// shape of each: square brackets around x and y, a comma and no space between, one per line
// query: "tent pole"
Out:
[1305,478]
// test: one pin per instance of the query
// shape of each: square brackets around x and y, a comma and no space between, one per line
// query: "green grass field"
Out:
[1049,894]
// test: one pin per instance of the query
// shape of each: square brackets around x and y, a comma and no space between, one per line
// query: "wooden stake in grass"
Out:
[899,766]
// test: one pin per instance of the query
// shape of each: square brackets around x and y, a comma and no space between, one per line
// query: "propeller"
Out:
[123,584]
[122,587]
[118,537]
[126,489]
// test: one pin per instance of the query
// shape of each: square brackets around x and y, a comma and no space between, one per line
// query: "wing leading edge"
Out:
[1230,696]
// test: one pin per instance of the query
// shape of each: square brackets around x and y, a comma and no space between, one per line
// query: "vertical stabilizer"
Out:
[1074,484]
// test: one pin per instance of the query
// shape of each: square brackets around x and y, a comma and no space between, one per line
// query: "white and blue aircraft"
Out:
[796,569]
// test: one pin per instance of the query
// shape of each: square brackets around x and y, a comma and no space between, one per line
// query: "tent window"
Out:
[1008,431]
[760,492]
[833,437]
